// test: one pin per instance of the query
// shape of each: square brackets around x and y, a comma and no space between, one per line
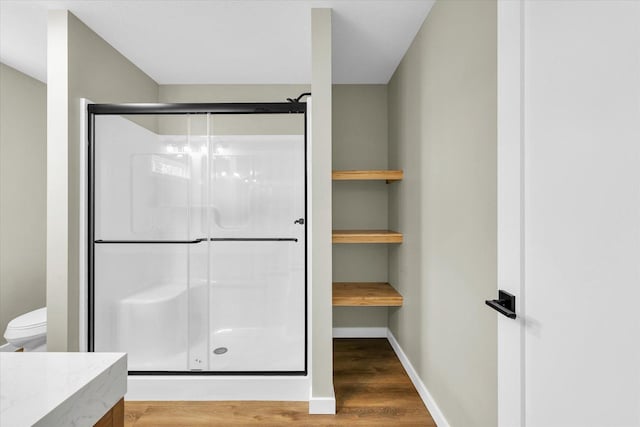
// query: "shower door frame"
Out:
[247,108]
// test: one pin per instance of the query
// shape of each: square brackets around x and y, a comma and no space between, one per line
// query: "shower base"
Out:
[246,351]
[235,350]
[176,387]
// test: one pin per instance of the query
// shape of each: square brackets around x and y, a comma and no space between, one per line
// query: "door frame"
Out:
[510,182]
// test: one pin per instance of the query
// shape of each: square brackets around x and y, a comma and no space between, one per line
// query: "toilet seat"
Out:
[28,326]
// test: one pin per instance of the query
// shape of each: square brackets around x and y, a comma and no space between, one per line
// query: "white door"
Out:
[569,213]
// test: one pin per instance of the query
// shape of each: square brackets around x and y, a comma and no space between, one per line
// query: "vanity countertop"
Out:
[59,389]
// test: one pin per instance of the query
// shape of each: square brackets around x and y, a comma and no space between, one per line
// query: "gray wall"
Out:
[23,169]
[81,65]
[442,132]
[360,142]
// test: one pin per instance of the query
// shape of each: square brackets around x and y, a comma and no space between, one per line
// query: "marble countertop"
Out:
[59,389]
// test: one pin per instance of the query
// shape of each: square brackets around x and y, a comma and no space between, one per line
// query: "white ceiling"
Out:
[224,41]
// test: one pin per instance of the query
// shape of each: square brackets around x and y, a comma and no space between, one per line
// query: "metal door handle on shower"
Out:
[203,239]
[143,242]
[256,239]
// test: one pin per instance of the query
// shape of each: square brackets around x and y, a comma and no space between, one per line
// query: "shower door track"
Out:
[291,107]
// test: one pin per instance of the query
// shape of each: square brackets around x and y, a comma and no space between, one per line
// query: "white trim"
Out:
[309,243]
[322,405]
[426,397]
[277,388]
[510,204]
[371,332]
[82,233]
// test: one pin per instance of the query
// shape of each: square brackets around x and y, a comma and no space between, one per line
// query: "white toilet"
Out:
[28,331]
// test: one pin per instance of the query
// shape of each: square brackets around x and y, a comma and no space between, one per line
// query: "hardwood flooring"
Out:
[372,389]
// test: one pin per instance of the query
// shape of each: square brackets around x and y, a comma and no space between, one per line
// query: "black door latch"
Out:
[505,304]
[299,221]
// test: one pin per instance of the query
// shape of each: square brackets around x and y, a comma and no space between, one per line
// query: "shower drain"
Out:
[220,350]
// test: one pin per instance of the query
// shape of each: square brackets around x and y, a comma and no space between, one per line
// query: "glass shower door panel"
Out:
[141,304]
[257,296]
[199,251]
[257,306]
[151,191]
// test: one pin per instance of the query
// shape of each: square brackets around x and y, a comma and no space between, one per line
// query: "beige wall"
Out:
[442,132]
[23,168]
[360,142]
[81,65]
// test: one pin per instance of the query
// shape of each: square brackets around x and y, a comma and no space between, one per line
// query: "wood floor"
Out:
[372,389]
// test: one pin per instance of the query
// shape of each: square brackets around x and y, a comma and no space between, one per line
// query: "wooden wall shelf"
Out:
[366,236]
[359,294]
[367,175]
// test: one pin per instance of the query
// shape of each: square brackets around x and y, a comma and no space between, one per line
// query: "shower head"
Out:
[296,100]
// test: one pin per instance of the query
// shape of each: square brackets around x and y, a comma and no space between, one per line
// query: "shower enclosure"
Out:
[197,237]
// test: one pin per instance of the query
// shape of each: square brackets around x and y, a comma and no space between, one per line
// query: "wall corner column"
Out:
[57,255]
[322,398]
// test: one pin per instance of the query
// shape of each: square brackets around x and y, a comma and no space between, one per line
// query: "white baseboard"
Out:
[428,400]
[378,332]
[322,405]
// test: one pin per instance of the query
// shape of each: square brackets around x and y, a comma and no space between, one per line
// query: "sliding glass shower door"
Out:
[198,248]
